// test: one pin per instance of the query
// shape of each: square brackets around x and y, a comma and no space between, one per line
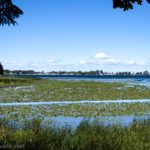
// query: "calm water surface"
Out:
[73,102]
[123,120]
[73,122]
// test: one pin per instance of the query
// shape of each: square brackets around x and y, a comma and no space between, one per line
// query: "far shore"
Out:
[81,76]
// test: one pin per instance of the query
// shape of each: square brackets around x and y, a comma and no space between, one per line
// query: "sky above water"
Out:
[77,35]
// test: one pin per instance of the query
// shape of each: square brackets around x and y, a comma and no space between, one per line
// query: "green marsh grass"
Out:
[87,136]
[55,90]
[76,110]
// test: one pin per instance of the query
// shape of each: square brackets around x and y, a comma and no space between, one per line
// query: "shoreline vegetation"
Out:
[88,135]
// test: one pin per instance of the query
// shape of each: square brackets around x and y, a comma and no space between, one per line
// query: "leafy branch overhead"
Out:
[10,12]
[127,4]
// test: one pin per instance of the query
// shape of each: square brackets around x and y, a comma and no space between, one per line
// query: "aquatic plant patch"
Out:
[75,110]
[55,90]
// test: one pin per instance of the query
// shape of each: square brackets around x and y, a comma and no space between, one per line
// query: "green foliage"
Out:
[126,4]
[13,82]
[9,12]
[1,69]
[87,136]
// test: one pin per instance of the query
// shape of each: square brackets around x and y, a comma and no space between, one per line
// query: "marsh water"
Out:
[124,120]
[59,121]
[105,120]
[74,102]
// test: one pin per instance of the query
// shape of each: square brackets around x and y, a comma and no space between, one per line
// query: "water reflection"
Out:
[123,120]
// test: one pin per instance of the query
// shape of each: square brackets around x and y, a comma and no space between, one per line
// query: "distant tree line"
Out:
[9,72]
[96,72]
[130,73]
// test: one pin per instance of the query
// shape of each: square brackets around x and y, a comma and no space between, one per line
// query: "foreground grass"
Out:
[87,136]
[54,90]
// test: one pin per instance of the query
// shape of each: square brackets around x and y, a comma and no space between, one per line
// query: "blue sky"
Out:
[77,35]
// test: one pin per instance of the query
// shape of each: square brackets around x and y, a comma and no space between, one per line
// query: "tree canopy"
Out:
[127,4]
[10,12]
[1,69]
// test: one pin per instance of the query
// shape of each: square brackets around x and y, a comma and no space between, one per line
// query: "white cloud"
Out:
[101,55]
[52,61]
[134,62]
[112,61]
[131,62]
[103,63]
[82,62]
[31,65]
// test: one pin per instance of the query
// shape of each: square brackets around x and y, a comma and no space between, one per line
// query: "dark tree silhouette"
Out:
[9,12]
[127,4]
[1,69]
